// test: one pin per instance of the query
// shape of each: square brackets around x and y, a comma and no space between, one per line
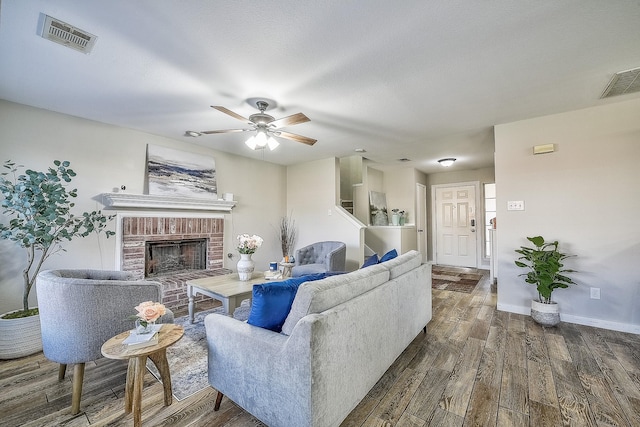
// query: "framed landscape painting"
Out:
[180,173]
[378,208]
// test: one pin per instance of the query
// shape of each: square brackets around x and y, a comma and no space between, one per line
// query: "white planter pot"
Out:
[20,337]
[545,314]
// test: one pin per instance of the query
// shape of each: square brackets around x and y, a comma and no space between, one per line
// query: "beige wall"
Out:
[311,200]
[585,195]
[106,157]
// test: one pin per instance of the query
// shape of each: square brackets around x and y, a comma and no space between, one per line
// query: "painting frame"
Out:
[378,208]
[179,173]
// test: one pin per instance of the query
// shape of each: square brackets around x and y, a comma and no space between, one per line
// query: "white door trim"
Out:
[434,228]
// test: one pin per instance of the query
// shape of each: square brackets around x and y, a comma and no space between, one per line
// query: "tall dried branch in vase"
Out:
[288,235]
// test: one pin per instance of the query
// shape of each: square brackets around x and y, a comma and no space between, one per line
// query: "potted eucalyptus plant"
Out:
[547,273]
[38,206]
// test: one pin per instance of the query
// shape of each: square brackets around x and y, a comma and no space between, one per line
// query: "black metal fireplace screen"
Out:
[171,256]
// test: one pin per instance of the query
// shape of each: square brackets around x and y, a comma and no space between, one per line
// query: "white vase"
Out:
[245,267]
[545,314]
[20,337]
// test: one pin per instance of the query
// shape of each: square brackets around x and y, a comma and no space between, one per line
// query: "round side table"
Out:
[286,268]
[115,349]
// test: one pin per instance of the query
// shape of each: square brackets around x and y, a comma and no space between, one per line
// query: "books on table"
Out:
[135,340]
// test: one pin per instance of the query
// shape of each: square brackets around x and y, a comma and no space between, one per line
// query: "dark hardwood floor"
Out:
[475,366]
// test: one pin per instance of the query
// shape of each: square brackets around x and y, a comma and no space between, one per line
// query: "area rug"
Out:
[187,358]
[458,279]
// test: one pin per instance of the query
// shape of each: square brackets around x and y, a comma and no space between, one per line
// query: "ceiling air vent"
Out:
[622,83]
[67,35]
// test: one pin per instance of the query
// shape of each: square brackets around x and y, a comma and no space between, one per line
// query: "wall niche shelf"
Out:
[146,201]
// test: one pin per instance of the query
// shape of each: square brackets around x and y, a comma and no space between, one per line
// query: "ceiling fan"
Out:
[266,127]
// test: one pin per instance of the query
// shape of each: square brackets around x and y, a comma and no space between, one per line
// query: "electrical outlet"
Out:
[595,293]
[515,205]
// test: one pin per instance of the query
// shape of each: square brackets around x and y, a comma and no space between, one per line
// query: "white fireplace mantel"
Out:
[146,201]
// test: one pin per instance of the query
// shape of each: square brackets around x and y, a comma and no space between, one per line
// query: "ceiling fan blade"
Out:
[291,120]
[209,132]
[231,113]
[294,137]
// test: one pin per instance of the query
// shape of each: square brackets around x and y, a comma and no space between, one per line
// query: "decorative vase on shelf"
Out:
[245,267]
[395,219]
[144,327]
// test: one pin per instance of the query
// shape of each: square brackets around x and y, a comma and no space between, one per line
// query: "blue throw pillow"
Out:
[389,255]
[372,260]
[271,302]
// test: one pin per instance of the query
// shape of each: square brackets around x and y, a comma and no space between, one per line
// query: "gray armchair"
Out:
[320,257]
[81,309]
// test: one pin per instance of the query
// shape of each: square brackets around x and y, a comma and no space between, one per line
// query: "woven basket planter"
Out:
[545,314]
[20,337]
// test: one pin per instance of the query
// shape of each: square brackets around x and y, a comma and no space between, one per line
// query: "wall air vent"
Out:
[67,35]
[622,83]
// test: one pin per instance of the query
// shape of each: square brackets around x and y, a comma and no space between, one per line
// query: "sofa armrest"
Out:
[258,369]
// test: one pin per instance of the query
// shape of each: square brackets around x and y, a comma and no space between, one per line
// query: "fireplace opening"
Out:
[171,256]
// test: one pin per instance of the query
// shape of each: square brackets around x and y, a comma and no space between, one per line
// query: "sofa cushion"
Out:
[389,255]
[372,260]
[272,301]
[320,295]
[403,263]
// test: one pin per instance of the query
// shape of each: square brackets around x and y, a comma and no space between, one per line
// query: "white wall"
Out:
[105,157]
[311,200]
[586,196]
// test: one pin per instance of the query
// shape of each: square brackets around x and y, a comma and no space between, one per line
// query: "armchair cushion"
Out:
[271,302]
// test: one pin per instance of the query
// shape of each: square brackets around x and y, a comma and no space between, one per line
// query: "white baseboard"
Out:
[579,320]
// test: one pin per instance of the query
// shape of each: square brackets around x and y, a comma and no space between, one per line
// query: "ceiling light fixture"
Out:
[447,162]
[261,140]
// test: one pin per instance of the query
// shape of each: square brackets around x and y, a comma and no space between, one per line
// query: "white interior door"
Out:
[456,225]
[421,219]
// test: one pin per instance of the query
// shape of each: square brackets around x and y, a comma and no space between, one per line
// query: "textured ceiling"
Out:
[420,80]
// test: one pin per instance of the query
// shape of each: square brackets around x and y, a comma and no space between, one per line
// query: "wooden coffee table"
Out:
[115,349]
[228,289]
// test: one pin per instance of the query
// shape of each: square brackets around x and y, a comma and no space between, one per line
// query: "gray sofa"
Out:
[341,335]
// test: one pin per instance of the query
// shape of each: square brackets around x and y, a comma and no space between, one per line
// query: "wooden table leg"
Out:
[159,358]
[138,382]
[128,388]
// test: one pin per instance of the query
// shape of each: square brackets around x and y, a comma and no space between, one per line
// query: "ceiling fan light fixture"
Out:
[272,143]
[251,142]
[192,133]
[447,162]
[261,139]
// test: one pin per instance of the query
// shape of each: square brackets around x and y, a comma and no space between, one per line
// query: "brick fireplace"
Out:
[138,231]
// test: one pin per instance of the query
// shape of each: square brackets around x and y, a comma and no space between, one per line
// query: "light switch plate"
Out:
[515,205]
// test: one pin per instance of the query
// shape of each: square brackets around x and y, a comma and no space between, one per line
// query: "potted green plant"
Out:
[546,273]
[38,205]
